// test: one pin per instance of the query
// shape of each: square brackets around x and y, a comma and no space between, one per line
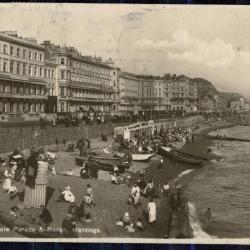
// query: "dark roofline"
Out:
[20,41]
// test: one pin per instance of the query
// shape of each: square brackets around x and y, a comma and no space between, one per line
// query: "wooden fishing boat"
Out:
[104,165]
[207,157]
[104,158]
[138,156]
[173,155]
[20,225]
[225,138]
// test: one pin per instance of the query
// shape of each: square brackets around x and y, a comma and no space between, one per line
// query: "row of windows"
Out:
[49,73]
[149,101]
[97,107]
[21,107]
[92,68]
[18,68]
[22,53]
[178,95]
[65,75]
[129,100]
[79,65]
[89,73]
[22,88]
[64,92]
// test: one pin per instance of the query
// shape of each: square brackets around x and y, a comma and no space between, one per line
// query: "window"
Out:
[62,74]
[41,57]
[38,90]
[45,72]
[49,73]
[18,68]
[62,91]
[11,67]
[41,72]
[52,89]
[35,71]
[24,53]
[52,73]
[1,87]
[30,55]
[14,88]
[62,60]
[114,73]
[21,88]
[43,91]
[35,56]
[5,67]
[30,71]
[62,107]
[32,89]
[11,50]
[27,89]
[7,87]
[17,52]
[5,49]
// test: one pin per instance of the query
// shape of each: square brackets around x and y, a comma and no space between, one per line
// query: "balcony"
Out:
[92,86]
[22,96]
[87,99]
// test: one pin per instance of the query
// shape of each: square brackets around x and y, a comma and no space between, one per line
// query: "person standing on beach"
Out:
[81,146]
[151,211]
[208,215]
[183,219]
[160,164]
[166,189]
[172,208]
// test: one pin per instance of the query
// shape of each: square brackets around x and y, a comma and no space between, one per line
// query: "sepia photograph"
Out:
[124,123]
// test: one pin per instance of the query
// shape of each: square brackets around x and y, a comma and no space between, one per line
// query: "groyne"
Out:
[27,137]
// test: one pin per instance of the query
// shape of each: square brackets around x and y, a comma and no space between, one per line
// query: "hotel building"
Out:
[129,94]
[115,72]
[22,85]
[151,94]
[48,78]
[81,83]
[183,95]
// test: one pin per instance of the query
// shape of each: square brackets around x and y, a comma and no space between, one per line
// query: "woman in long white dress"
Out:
[151,211]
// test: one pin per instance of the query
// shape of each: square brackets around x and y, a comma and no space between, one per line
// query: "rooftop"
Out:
[73,52]
[12,36]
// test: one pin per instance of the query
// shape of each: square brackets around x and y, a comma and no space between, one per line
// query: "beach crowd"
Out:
[27,180]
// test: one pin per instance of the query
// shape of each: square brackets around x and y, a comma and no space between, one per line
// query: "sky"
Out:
[212,42]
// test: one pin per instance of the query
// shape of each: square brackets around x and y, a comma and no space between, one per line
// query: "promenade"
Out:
[53,137]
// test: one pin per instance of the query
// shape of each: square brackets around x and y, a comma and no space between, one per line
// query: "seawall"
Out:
[27,137]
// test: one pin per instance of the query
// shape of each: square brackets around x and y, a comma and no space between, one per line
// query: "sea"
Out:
[223,186]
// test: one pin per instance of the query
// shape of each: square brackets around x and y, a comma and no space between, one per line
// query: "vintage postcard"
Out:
[124,123]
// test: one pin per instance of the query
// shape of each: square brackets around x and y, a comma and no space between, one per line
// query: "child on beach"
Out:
[9,175]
